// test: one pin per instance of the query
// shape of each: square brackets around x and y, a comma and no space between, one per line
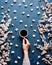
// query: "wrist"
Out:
[26,55]
[25,52]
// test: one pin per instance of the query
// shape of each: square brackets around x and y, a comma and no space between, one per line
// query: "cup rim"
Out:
[21,35]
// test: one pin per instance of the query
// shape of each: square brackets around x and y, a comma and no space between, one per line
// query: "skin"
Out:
[26,46]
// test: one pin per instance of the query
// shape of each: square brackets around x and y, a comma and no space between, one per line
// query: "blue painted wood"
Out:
[28,21]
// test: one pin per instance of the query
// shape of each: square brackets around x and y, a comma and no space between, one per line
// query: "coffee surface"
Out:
[23,33]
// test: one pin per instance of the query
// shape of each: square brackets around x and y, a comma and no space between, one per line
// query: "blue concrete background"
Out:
[28,21]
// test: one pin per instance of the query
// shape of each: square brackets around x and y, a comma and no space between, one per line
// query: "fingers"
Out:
[24,41]
[27,41]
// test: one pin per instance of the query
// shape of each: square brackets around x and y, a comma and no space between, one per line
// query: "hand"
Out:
[26,46]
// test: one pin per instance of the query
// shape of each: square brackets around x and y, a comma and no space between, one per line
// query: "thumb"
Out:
[23,41]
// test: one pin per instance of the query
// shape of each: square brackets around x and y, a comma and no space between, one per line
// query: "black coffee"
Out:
[23,33]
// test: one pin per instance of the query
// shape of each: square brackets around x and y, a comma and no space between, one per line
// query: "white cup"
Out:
[23,33]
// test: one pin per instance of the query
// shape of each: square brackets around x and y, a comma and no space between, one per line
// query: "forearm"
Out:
[26,55]
[26,60]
